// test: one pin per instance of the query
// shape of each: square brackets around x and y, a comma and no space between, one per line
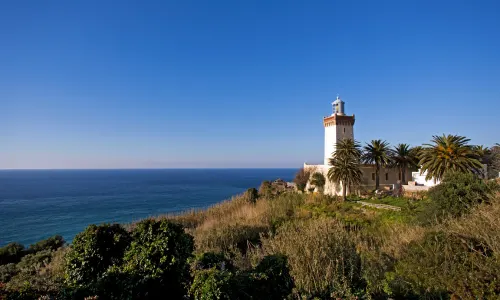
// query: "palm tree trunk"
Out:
[344,191]
[403,175]
[377,179]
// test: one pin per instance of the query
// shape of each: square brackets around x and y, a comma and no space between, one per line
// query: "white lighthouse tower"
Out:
[338,126]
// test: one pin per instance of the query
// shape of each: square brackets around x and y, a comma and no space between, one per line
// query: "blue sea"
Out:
[36,204]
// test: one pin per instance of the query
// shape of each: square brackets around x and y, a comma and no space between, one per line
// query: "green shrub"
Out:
[318,180]
[266,189]
[11,253]
[251,195]
[301,179]
[321,254]
[209,260]
[271,278]
[37,275]
[458,193]
[158,255]
[52,243]
[95,250]
[7,272]
[443,264]
[31,263]
[212,284]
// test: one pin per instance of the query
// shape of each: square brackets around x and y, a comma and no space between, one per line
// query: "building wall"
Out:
[420,179]
[330,141]
[368,183]
[333,134]
[387,176]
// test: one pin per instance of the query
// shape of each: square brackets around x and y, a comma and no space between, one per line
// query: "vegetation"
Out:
[377,152]
[251,195]
[345,165]
[403,158]
[279,244]
[266,189]
[301,179]
[494,161]
[318,180]
[449,153]
[458,193]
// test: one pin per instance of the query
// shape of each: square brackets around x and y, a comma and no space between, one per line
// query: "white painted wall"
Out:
[330,141]
[333,134]
[420,179]
[330,188]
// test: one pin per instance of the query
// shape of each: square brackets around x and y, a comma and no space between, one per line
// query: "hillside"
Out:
[300,246]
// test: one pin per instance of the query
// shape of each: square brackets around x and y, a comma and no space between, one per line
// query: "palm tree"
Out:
[377,153]
[402,157]
[345,165]
[449,153]
[483,152]
[318,180]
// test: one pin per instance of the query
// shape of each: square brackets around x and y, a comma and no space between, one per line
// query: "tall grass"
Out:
[322,256]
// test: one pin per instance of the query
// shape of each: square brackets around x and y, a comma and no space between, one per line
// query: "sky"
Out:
[202,84]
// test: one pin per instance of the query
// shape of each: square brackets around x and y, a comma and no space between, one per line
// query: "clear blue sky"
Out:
[117,84]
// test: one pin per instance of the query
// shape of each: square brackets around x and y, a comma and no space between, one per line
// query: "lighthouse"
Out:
[338,126]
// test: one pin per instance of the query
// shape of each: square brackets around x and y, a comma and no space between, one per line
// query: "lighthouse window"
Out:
[386,176]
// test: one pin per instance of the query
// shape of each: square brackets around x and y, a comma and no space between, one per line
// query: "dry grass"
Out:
[396,237]
[235,223]
[482,224]
[321,254]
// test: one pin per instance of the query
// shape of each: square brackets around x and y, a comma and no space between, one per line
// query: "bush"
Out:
[158,255]
[11,253]
[7,272]
[301,179]
[209,260]
[273,280]
[321,254]
[266,189]
[319,181]
[459,193]
[269,280]
[95,250]
[52,243]
[251,195]
[38,274]
[213,284]
[443,264]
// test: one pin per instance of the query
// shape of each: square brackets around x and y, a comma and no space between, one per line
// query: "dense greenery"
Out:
[301,179]
[318,180]
[449,153]
[403,157]
[278,244]
[345,165]
[377,152]
[458,193]
[295,246]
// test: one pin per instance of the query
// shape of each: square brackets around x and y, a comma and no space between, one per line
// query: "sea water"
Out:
[36,204]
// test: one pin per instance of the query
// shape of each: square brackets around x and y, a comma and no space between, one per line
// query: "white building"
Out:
[339,126]
[419,179]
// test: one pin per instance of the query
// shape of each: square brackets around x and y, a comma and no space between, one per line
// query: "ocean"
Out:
[36,204]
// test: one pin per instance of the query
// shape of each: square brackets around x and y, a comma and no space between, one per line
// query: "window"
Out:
[344,129]
[386,176]
[399,176]
[373,176]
